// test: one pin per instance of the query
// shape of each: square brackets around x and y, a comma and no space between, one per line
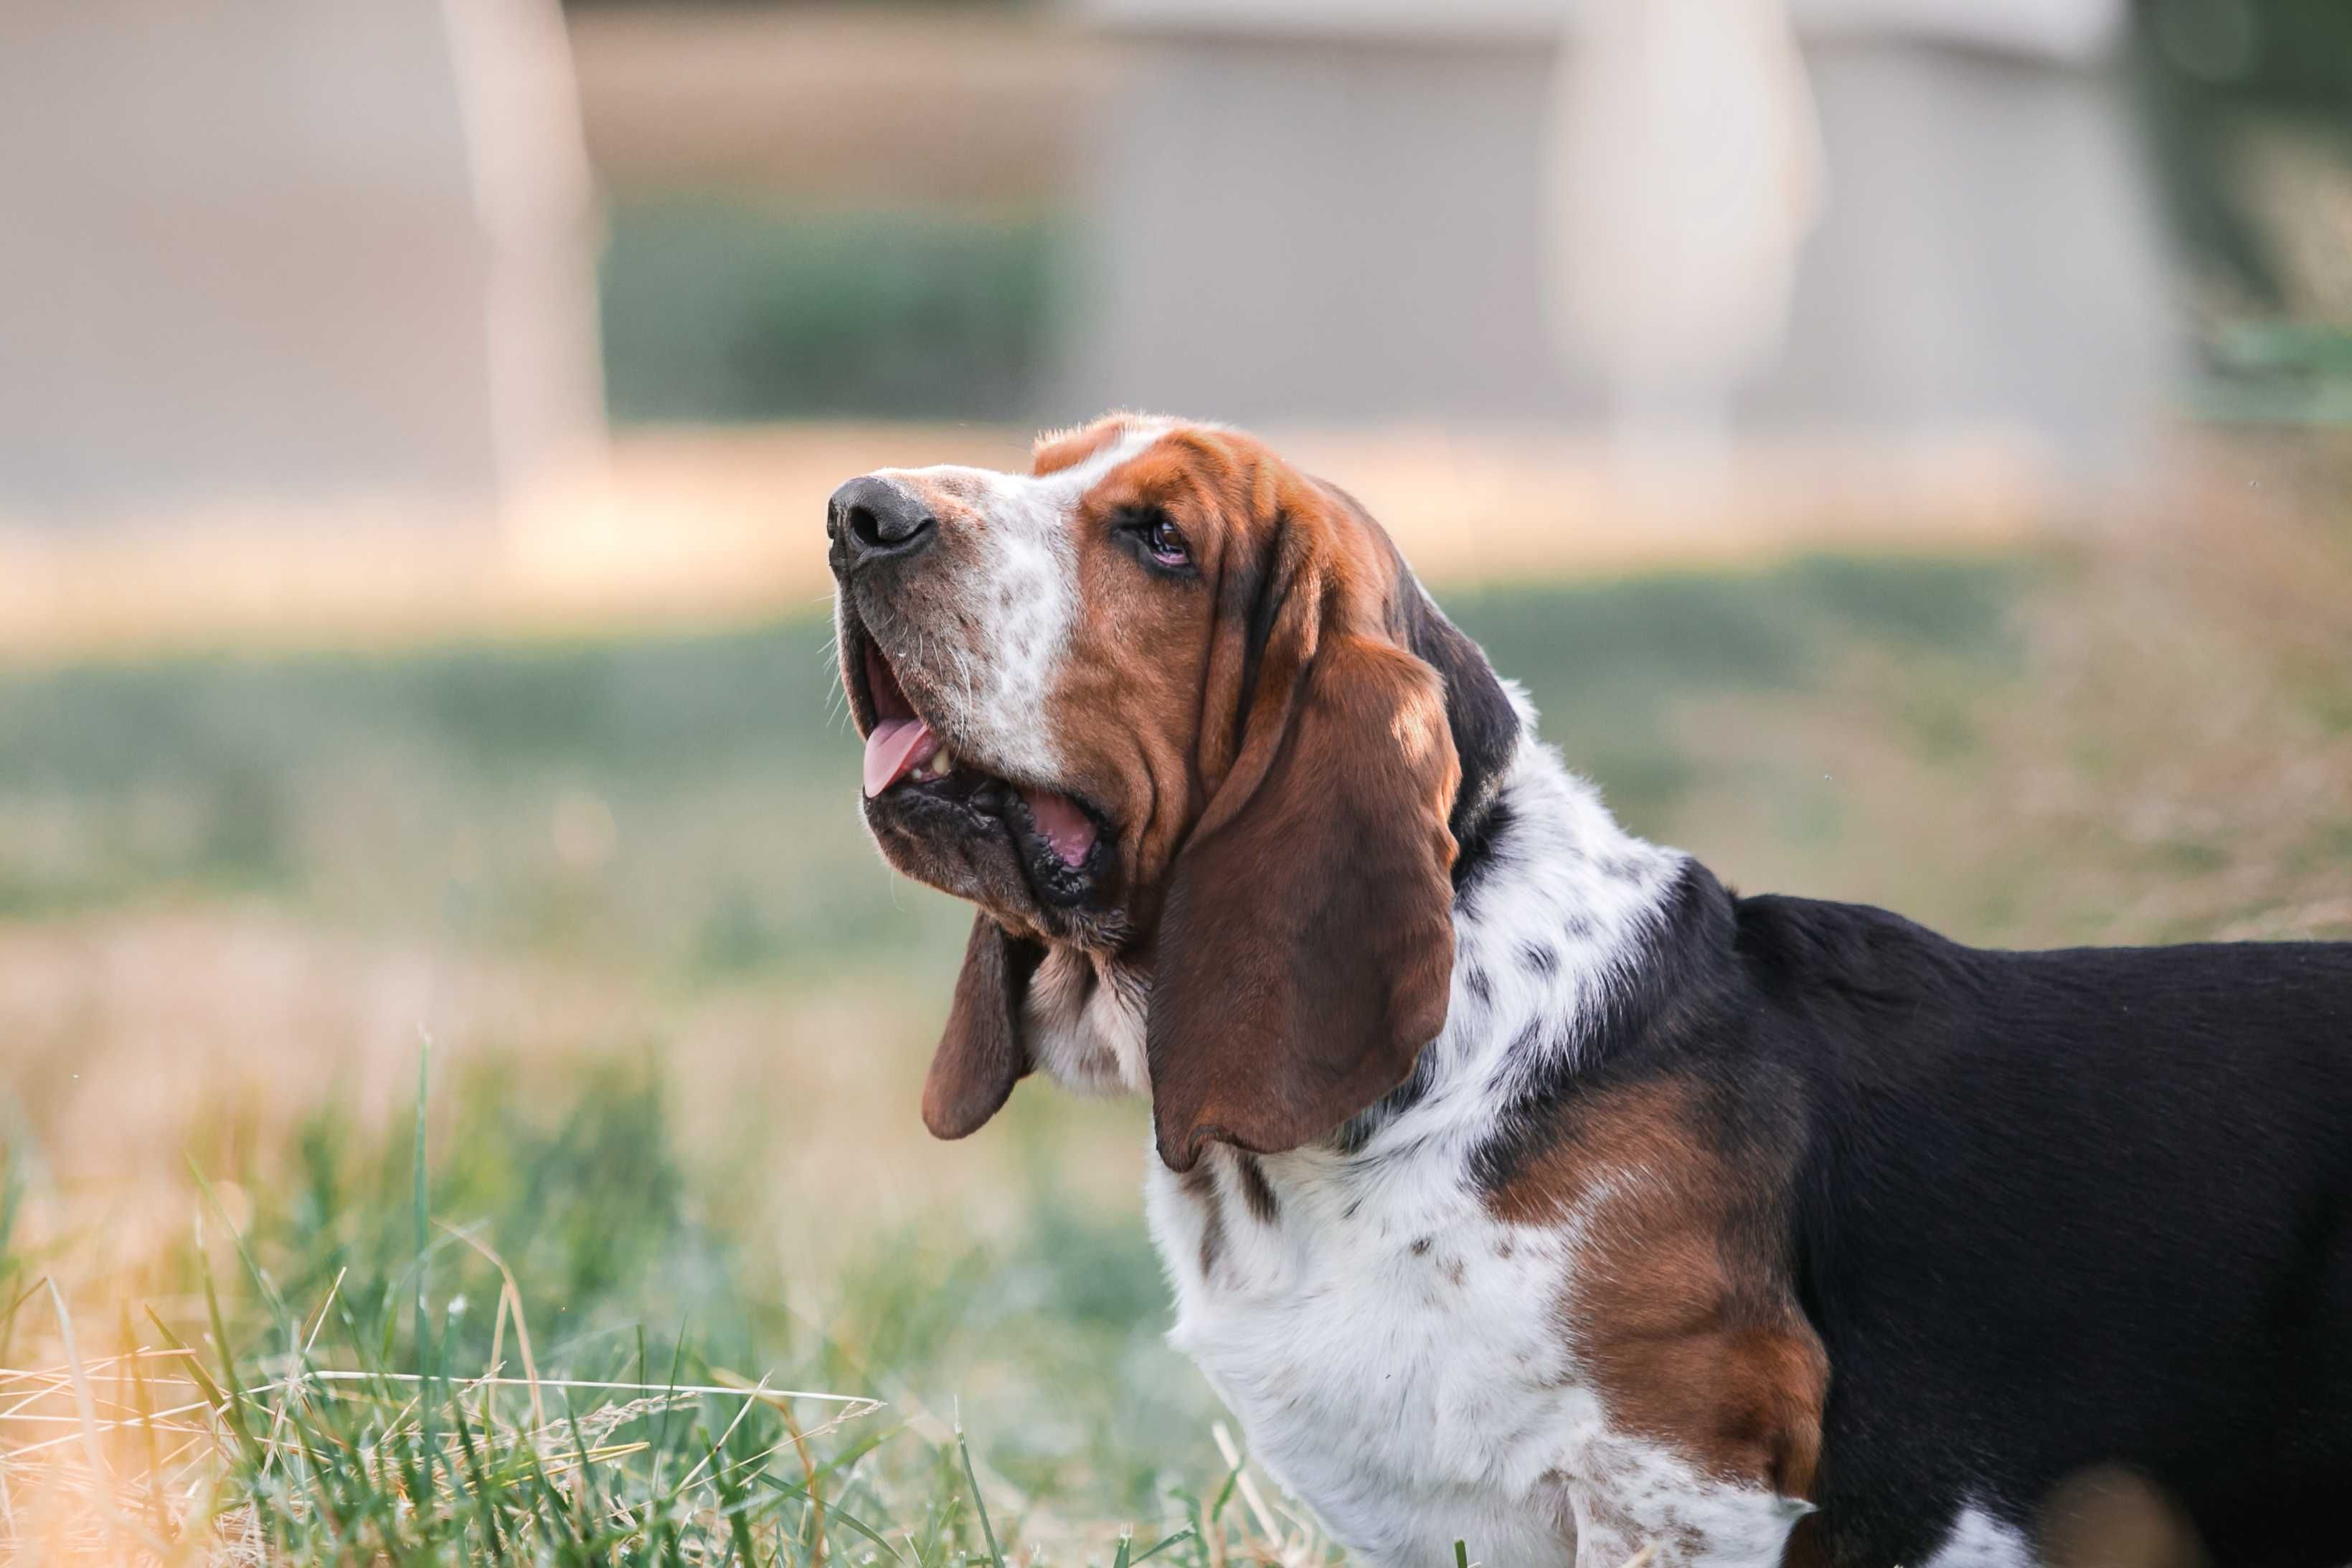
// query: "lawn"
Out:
[461,1103]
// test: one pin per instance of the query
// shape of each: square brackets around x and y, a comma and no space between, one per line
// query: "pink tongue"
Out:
[893,747]
[1069,830]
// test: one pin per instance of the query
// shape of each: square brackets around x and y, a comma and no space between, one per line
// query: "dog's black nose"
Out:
[874,518]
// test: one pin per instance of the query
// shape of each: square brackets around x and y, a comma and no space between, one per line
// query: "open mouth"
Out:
[909,762]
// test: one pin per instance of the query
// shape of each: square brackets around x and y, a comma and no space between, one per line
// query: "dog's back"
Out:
[2070,1208]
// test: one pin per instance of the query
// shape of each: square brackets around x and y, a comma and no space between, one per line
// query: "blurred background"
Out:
[1902,445]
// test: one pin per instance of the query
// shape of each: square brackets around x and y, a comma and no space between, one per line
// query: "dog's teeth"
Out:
[940,764]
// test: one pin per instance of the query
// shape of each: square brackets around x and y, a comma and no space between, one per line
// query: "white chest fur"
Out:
[1390,1353]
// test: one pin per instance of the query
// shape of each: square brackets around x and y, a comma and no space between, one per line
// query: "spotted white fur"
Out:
[1020,598]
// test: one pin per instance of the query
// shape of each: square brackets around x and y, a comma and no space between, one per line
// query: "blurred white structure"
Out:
[1683,176]
[1933,226]
[287,250]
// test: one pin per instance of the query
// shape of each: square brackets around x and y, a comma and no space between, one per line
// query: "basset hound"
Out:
[1519,1183]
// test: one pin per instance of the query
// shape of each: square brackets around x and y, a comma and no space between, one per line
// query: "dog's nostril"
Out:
[864,527]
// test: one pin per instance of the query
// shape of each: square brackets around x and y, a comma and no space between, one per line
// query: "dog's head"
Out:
[1167,702]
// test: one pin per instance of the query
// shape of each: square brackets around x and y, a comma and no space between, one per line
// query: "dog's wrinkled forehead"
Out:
[1012,582]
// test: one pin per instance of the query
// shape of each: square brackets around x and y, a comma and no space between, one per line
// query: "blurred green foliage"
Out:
[2210,74]
[721,308]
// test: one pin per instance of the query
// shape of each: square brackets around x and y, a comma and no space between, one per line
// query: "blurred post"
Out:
[1684,173]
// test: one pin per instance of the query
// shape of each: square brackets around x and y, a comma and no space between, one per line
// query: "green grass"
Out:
[523,1344]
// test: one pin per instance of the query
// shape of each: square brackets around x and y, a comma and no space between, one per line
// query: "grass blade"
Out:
[855,1525]
[979,1503]
[420,1205]
[1178,1539]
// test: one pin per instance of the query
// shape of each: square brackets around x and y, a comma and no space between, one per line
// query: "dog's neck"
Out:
[1548,927]
[1550,916]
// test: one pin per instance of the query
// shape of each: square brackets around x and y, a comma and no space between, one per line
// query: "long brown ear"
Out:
[1306,947]
[981,1056]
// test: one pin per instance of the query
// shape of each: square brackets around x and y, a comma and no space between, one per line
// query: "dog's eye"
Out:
[1159,537]
[1166,542]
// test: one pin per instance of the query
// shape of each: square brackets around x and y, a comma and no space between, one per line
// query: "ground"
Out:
[678,1013]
